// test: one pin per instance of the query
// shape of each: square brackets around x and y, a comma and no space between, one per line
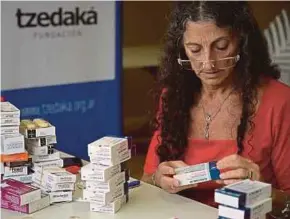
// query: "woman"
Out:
[219,101]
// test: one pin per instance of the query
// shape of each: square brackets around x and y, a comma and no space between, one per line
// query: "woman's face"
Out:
[205,43]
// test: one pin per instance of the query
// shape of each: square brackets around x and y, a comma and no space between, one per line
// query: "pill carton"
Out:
[197,173]
[41,141]
[14,157]
[108,147]
[47,157]
[256,210]
[33,129]
[29,208]
[19,193]
[110,161]
[112,207]
[46,164]
[101,173]
[23,178]
[12,144]
[9,111]
[119,178]
[105,198]
[243,194]
[15,171]
[9,130]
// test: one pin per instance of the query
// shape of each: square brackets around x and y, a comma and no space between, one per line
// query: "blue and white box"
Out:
[197,173]
[243,194]
[257,210]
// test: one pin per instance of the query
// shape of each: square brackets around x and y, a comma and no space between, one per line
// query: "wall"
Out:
[146,21]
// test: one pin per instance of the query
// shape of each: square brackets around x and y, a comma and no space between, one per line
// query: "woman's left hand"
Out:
[235,168]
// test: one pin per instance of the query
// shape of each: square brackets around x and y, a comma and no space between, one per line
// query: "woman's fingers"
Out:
[177,164]
[238,168]
[168,168]
[164,179]
[165,169]
[235,174]
[230,181]
[169,184]
[233,162]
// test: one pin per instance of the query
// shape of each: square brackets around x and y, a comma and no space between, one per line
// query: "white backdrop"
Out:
[54,55]
[57,67]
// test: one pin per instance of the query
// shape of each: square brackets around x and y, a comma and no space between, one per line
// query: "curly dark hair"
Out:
[182,86]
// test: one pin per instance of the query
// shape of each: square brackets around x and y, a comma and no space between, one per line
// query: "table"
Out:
[145,202]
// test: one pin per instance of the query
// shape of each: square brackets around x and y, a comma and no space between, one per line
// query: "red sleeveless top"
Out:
[270,145]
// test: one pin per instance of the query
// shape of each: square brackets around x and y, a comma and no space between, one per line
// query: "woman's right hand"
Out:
[164,176]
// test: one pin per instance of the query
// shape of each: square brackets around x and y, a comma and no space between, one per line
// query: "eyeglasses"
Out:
[219,64]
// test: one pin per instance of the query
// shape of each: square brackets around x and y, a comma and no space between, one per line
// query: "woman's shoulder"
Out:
[276,92]
[275,103]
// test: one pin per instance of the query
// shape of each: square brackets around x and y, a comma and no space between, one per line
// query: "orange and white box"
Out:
[14,157]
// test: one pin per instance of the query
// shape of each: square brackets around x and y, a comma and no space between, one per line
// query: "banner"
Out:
[61,61]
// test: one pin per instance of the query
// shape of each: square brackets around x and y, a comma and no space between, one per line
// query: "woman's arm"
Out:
[152,159]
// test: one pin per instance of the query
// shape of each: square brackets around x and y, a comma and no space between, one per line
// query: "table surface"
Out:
[145,201]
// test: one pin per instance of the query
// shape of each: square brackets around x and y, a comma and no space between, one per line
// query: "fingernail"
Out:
[222,175]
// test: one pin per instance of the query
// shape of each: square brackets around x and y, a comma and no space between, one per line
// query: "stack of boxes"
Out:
[40,140]
[14,158]
[16,174]
[21,197]
[244,200]
[106,176]
[58,183]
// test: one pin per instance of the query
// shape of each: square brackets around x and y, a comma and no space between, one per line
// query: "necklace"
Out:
[209,117]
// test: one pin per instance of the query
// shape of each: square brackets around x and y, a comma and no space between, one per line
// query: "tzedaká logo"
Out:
[60,17]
